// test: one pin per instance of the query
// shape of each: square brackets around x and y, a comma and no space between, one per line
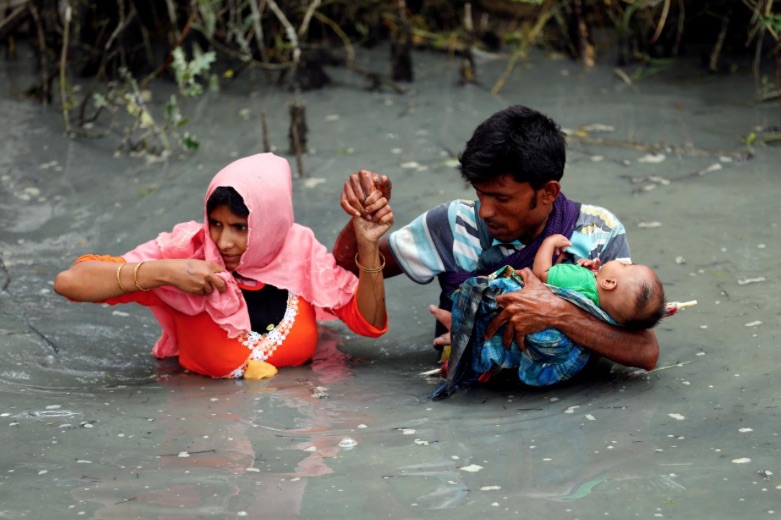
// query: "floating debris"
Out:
[671,308]
[421,442]
[710,169]
[598,127]
[183,454]
[331,117]
[348,443]
[320,392]
[651,224]
[645,187]
[659,180]
[753,323]
[746,281]
[490,488]
[312,182]
[472,468]
[680,260]
[676,416]
[745,430]
[742,460]
[654,158]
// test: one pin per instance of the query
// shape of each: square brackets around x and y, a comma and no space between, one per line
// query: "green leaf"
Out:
[100,100]
[190,142]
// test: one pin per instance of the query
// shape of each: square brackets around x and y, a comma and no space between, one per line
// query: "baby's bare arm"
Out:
[543,260]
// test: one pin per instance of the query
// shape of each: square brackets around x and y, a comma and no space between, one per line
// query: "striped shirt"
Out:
[446,239]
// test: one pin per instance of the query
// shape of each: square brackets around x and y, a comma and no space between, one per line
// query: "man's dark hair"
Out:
[517,140]
[227,196]
[650,305]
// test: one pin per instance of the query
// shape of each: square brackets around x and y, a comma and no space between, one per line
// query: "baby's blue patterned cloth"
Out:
[550,356]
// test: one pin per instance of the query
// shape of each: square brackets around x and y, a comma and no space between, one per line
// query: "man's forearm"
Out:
[345,247]
[635,348]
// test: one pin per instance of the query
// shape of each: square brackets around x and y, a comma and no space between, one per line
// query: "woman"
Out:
[239,294]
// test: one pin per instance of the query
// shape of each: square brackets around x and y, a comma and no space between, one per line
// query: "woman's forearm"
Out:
[370,295]
[94,280]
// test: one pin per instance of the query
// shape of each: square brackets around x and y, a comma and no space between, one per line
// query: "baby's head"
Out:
[631,294]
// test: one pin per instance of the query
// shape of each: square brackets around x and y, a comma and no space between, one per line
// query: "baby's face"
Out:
[620,302]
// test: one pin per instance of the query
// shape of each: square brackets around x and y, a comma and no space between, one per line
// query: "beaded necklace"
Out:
[263,346]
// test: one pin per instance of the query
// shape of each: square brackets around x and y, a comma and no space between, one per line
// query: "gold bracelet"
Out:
[135,276]
[371,269]
[119,279]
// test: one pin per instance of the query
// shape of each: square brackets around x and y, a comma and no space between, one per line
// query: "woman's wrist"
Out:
[368,258]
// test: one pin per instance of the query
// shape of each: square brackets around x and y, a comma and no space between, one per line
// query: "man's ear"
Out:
[608,284]
[550,191]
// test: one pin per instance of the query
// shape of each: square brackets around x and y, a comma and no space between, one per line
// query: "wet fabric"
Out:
[575,277]
[550,357]
[279,252]
[205,348]
[450,242]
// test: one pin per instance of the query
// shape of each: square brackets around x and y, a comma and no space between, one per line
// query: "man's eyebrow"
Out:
[493,193]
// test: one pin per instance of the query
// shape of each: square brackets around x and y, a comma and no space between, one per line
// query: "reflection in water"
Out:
[213,457]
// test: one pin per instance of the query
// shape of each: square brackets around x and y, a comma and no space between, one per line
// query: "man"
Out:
[515,161]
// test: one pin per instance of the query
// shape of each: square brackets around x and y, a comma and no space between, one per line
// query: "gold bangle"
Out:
[135,276]
[119,279]
[371,269]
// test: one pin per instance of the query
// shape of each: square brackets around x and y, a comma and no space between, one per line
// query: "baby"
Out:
[631,294]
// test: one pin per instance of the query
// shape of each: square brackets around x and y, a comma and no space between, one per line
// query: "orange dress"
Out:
[205,348]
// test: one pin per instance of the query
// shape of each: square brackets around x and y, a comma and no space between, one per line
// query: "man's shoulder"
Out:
[451,212]
[591,215]
[459,205]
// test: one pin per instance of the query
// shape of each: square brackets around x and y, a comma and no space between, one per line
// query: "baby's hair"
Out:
[650,305]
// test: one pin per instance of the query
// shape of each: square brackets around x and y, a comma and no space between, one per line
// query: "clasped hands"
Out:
[365,197]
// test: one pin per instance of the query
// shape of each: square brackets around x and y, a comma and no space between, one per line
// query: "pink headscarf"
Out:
[279,252]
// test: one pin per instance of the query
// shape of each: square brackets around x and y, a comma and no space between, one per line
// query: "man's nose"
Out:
[486,210]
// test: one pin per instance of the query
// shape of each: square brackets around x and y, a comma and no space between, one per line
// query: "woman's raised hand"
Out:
[377,217]
[359,198]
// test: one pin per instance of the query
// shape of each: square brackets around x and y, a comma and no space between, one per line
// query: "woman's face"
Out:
[229,232]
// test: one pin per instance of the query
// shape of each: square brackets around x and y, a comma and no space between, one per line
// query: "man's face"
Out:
[513,210]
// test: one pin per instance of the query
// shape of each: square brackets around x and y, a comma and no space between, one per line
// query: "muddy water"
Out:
[93,427]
